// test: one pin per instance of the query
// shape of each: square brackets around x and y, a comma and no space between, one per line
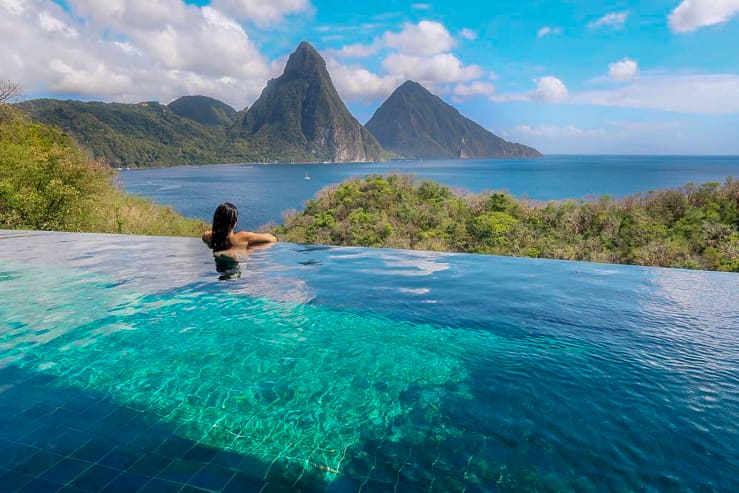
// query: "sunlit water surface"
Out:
[350,369]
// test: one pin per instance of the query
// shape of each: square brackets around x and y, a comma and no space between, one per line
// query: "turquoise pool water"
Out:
[132,364]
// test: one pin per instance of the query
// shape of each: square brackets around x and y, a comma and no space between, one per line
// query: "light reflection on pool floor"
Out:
[352,369]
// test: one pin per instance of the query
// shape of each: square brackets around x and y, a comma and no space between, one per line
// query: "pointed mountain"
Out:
[204,110]
[416,124]
[300,117]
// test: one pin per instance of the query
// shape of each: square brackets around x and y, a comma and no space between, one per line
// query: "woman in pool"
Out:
[222,239]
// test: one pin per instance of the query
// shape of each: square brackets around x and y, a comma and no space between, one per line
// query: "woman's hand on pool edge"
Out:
[254,238]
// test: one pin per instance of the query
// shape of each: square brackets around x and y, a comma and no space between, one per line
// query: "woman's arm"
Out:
[252,238]
[207,236]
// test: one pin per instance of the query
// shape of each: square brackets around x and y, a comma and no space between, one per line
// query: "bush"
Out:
[48,182]
[693,227]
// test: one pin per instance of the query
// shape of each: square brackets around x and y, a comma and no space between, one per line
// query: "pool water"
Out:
[139,364]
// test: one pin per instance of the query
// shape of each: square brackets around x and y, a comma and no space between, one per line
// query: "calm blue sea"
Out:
[263,192]
[130,362]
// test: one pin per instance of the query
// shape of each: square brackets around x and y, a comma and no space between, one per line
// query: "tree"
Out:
[9,91]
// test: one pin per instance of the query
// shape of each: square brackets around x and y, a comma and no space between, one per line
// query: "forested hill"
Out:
[144,134]
[204,110]
[415,123]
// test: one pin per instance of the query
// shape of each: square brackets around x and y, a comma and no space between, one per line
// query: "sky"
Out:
[572,77]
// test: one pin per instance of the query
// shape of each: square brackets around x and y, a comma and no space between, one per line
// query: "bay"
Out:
[262,192]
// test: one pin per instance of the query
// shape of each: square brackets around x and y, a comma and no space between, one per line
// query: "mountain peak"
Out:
[415,123]
[300,116]
[304,60]
[411,85]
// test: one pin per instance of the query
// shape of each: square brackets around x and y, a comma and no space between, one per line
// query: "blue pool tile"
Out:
[123,415]
[94,450]
[12,480]
[212,477]
[66,470]
[15,453]
[181,470]
[37,463]
[253,467]
[39,485]
[150,464]
[231,460]
[344,485]
[191,489]
[37,411]
[201,453]
[72,489]
[126,482]
[160,486]
[242,483]
[96,478]
[80,402]
[174,447]
[120,458]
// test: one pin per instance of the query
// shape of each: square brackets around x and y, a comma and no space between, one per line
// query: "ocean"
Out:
[263,191]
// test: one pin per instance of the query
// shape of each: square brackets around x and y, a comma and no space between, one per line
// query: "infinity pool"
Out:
[138,364]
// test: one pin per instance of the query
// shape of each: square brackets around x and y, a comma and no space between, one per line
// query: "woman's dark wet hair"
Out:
[224,220]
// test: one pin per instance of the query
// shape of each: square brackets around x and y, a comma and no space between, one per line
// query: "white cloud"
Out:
[694,14]
[567,131]
[468,34]
[711,94]
[614,20]
[421,6]
[356,83]
[424,38]
[477,88]
[444,67]
[262,12]
[549,89]
[51,24]
[624,69]
[548,31]
[357,50]
[14,7]
[420,52]
[129,50]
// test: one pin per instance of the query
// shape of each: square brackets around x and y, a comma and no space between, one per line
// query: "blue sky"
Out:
[653,76]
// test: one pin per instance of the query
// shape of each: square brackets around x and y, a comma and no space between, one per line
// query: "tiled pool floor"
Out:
[69,441]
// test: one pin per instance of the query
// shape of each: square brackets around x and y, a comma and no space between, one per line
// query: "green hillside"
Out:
[121,135]
[205,111]
[48,182]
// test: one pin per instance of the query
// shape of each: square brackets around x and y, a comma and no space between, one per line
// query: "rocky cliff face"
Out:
[300,117]
[414,123]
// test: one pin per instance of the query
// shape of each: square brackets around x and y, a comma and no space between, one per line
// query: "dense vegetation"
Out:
[133,135]
[205,111]
[696,226]
[48,182]
[415,124]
